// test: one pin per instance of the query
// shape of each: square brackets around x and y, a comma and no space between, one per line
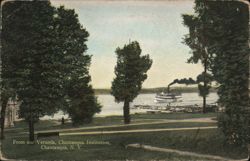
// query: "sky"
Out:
[156,25]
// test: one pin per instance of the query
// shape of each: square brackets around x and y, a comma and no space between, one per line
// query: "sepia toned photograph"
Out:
[124,80]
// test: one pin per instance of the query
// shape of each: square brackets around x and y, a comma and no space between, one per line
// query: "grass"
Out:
[210,141]
[97,153]
[205,142]
[22,126]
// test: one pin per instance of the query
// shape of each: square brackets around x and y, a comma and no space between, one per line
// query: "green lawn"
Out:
[205,142]
[109,120]
[22,126]
[89,152]
[208,141]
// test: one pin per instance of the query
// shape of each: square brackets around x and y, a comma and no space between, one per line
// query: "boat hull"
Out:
[162,98]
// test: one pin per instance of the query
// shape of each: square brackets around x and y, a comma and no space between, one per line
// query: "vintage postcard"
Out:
[124,80]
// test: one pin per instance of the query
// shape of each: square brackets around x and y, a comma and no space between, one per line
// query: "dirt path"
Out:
[135,131]
[179,152]
[132,124]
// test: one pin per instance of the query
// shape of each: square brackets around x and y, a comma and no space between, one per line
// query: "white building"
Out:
[11,114]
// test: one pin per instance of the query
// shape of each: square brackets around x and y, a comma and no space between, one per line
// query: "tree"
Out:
[47,66]
[130,71]
[81,102]
[6,92]
[4,101]
[34,68]
[196,40]
[229,44]
[204,89]
[228,52]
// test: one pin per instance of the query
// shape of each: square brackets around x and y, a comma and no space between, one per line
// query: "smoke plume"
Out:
[185,81]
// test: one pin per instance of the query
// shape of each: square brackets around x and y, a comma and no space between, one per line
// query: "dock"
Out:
[176,108]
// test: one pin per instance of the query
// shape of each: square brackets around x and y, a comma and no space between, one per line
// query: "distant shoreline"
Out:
[158,90]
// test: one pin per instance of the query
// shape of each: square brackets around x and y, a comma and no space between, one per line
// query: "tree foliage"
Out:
[229,46]
[28,36]
[6,92]
[81,103]
[197,41]
[47,66]
[204,90]
[131,70]
[226,32]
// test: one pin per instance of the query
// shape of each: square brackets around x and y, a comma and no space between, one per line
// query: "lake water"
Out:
[110,107]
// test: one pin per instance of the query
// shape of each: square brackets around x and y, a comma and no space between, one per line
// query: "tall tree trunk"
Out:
[3,111]
[205,86]
[126,112]
[204,104]
[31,130]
